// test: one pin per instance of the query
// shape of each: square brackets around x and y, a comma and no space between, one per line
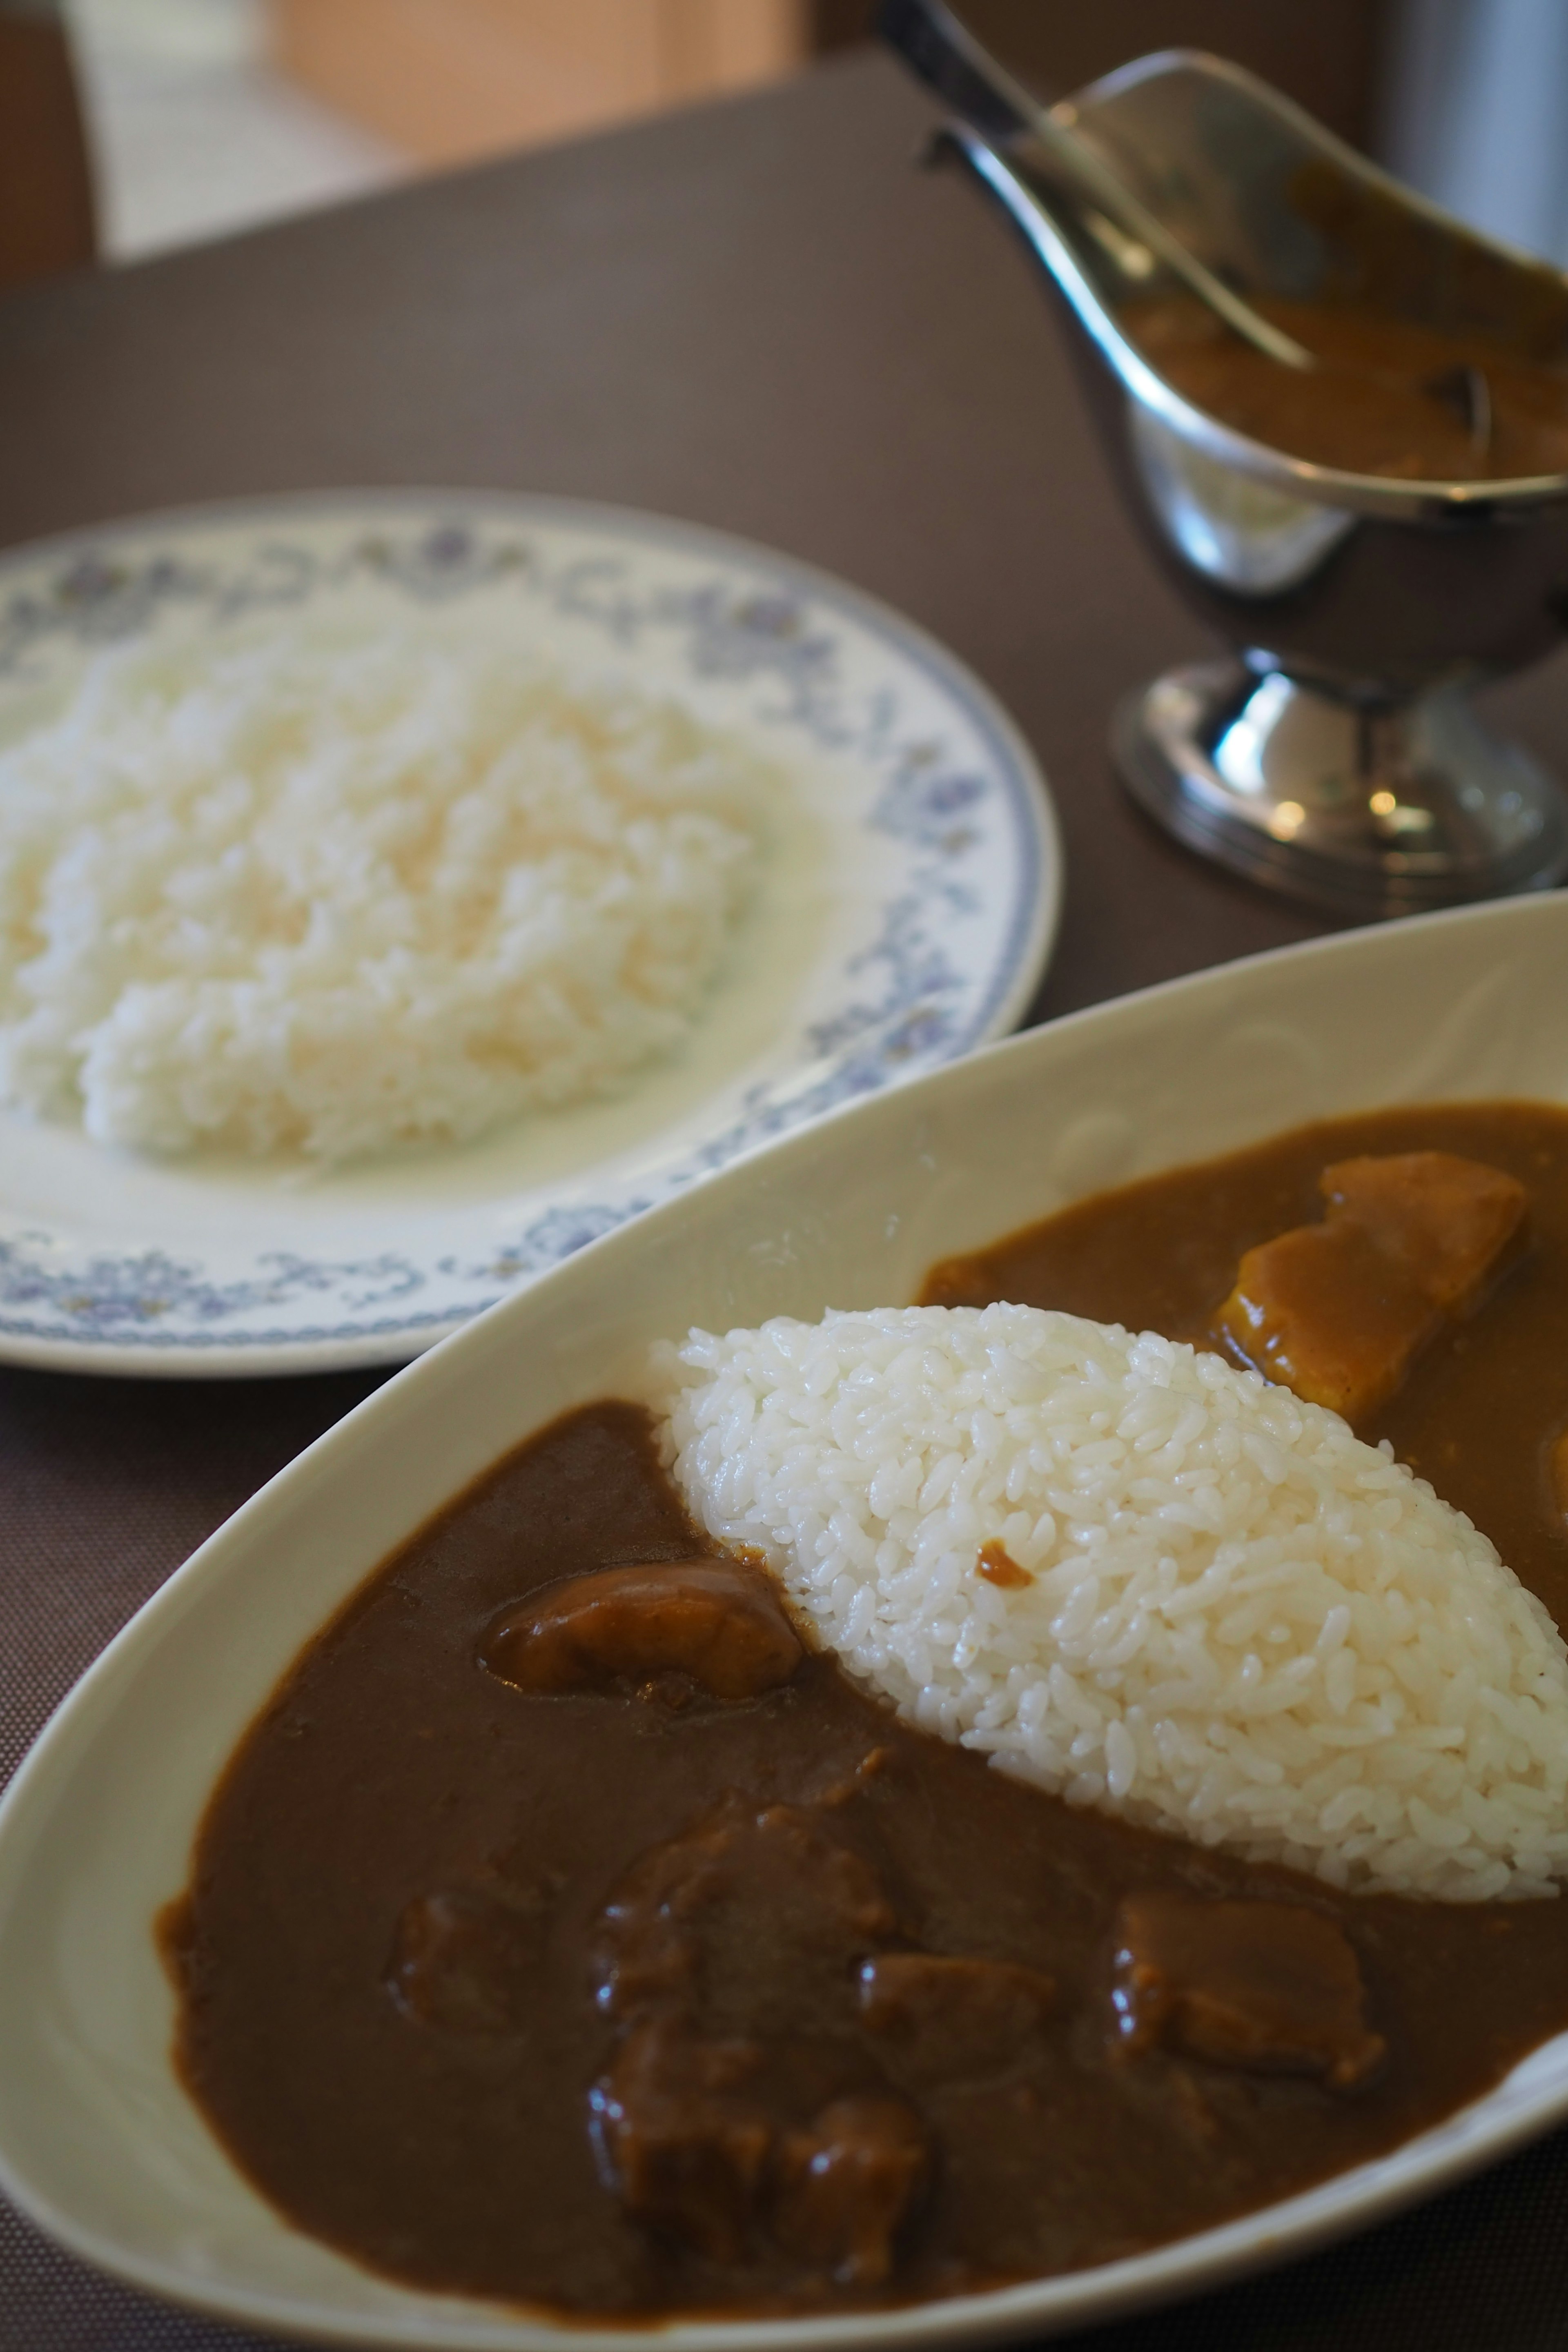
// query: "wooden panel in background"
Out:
[46,186]
[448,79]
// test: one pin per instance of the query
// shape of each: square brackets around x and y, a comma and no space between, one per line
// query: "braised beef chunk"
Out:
[729,1955]
[754,1920]
[946,2017]
[1273,1987]
[1337,1311]
[695,2139]
[846,2185]
[681,2145]
[711,1621]
[462,1959]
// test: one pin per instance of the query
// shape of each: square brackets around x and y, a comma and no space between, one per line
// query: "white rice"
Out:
[287,895]
[1243,1623]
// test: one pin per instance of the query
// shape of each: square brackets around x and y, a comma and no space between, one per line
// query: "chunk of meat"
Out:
[461,1960]
[711,1620]
[681,2144]
[728,1956]
[690,2139]
[1271,1987]
[1336,1311]
[757,1918]
[953,2018]
[846,2185]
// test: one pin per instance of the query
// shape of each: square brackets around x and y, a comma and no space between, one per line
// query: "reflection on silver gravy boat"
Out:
[1336,755]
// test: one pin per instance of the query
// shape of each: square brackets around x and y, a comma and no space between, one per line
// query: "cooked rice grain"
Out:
[286,895]
[1241,1623]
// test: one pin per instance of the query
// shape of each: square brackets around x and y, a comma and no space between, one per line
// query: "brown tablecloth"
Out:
[758,316]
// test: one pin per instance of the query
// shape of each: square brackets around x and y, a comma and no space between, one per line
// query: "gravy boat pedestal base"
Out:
[1364,810]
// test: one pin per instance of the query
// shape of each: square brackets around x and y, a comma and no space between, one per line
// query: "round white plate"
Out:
[908,906]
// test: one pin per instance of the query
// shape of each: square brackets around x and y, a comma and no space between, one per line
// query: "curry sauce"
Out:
[1388,395]
[518,1963]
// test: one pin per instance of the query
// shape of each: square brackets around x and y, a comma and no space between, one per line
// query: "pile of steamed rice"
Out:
[337,898]
[1240,1622]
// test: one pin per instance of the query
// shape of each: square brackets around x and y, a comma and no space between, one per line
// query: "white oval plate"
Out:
[99,2143]
[905,915]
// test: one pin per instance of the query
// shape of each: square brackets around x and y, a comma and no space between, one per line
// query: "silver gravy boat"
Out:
[1336,755]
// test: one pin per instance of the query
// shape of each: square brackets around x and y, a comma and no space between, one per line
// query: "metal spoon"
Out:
[951,62]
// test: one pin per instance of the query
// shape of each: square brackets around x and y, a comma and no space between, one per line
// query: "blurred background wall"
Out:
[192,118]
[1474,112]
[450,78]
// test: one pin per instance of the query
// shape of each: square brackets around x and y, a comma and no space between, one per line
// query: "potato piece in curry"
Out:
[1337,1311]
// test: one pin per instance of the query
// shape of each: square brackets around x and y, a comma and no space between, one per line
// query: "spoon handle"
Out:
[948,58]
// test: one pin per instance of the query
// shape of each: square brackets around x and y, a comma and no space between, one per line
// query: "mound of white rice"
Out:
[334,898]
[1241,1623]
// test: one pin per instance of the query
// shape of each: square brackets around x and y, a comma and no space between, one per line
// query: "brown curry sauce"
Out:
[1388,395]
[427,1960]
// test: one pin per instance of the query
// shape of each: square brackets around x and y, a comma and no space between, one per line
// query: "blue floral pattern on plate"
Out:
[941,813]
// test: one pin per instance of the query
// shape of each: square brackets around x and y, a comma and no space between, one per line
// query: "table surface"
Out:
[759,316]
